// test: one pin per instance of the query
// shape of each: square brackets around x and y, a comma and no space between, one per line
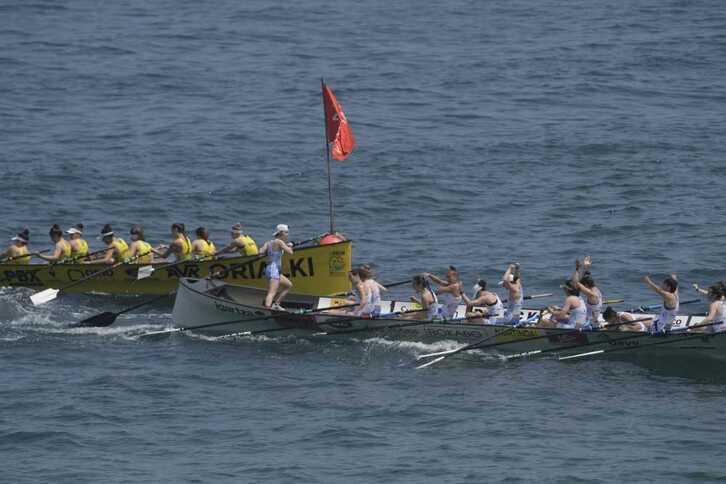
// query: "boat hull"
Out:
[204,301]
[313,270]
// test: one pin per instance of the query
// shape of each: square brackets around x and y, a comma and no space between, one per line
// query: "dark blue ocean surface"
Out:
[488,132]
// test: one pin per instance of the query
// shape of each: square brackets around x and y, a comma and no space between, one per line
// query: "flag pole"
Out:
[327,158]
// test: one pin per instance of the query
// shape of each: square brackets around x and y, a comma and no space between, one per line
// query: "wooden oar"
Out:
[47,295]
[442,355]
[560,331]
[630,335]
[276,314]
[378,328]
[667,335]
[642,309]
[108,318]
[81,257]
[30,254]
[532,296]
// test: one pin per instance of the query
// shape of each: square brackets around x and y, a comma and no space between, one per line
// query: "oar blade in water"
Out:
[144,272]
[99,321]
[156,334]
[44,296]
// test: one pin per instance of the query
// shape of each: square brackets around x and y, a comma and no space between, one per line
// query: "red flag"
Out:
[336,125]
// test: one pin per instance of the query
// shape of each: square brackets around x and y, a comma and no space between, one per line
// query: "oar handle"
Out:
[270,316]
[148,301]
[377,328]
[97,273]
[394,284]
[657,306]
[31,254]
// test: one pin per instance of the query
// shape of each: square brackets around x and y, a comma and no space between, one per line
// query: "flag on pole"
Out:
[337,128]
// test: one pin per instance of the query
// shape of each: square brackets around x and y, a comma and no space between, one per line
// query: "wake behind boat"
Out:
[218,308]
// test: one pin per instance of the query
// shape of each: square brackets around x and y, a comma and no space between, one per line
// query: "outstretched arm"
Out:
[435,279]
[54,257]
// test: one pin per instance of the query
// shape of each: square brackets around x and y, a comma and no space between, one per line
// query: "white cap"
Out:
[281,228]
[19,238]
[73,230]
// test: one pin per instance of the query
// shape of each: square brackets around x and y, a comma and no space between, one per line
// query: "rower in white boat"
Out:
[582,279]
[370,297]
[716,310]
[512,282]
[482,298]
[277,284]
[449,292]
[367,293]
[572,314]
[668,290]
[613,317]
[426,298]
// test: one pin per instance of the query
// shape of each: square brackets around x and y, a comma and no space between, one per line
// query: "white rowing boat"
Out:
[239,309]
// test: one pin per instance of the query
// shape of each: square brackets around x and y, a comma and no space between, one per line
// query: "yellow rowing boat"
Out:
[321,269]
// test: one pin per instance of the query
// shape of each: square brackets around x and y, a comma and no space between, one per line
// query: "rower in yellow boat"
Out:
[202,247]
[240,242]
[180,247]
[79,247]
[61,249]
[277,284]
[117,249]
[19,249]
[139,246]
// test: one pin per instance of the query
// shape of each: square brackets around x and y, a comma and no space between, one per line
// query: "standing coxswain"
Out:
[449,293]
[18,250]
[572,314]
[668,290]
[488,299]
[180,246]
[582,280]
[117,250]
[278,285]
[61,247]
[241,242]
[202,247]
[79,246]
[139,247]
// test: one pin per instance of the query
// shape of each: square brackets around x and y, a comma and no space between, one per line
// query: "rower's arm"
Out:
[712,313]
[133,249]
[657,289]
[586,290]
[506,278]
[106,259]
[435,279]
[564,312]
[6,254]
[381,287]
[576,274]
[284,247]
[363,296]
[55,257]
[700,289]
